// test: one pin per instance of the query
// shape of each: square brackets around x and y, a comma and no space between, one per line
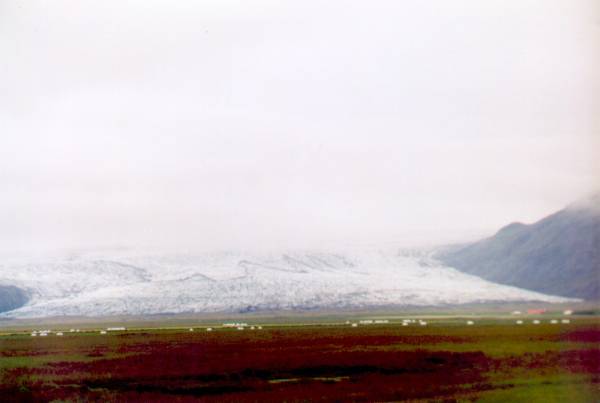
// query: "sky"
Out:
[297,124]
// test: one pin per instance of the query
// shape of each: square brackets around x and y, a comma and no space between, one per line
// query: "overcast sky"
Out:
[228,124]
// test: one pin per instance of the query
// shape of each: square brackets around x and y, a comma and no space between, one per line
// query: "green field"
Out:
[325,359]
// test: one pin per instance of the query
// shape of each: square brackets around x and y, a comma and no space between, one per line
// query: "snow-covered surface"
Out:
[133,283]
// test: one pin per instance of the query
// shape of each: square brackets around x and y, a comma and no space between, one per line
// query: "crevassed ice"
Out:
[231,281]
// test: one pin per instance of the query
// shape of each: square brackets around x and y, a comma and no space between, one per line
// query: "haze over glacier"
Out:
[95,284]
[293,126]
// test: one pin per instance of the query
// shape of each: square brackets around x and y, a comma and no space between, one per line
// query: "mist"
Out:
[230,124]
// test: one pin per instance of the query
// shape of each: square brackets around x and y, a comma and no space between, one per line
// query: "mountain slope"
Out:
[11,297]
[558,255]
[242,282]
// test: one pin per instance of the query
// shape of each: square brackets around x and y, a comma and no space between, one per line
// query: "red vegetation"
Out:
[293,364]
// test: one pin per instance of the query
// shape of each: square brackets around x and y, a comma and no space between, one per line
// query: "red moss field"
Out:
[439,362]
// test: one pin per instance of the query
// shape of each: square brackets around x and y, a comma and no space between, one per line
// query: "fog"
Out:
[253,124]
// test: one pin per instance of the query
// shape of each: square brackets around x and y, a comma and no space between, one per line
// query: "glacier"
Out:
[103,284]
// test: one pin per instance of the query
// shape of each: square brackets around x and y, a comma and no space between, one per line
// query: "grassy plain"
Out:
[493,360]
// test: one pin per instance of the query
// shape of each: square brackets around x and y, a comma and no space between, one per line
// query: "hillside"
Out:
[11,297]
[558,255]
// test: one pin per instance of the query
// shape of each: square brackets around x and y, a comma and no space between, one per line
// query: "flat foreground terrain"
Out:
[443,361]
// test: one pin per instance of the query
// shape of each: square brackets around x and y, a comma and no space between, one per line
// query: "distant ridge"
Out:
[558,255]
[12,297]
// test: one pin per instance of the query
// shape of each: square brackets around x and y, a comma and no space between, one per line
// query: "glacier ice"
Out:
[139,283]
